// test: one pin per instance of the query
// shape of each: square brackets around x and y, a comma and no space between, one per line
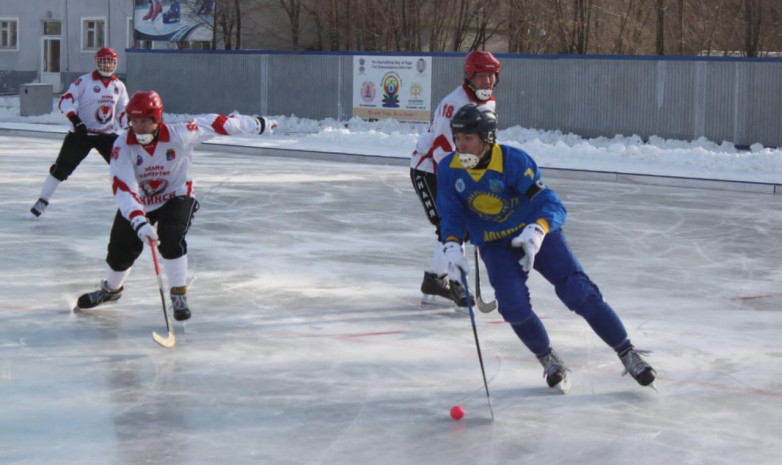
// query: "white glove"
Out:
[530,239]
[267,125]
[456,261]
[144,229]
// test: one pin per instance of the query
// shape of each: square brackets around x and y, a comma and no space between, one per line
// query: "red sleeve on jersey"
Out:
[120,185]
[219,125]
[63,97]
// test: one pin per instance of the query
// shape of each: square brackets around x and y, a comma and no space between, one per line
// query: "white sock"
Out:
[176,271]
[439,264]
[115,279]
[49,186]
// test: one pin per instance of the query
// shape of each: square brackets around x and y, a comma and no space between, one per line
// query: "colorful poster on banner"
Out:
[392,87]
[173,20]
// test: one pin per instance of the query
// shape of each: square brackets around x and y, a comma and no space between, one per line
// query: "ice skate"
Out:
[95,298]
[458,294]
[39,207]
[555,371]
[637,366]
[172,15]
[179,303]
[436,290]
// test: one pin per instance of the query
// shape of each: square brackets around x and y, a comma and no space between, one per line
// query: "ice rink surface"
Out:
[308,345]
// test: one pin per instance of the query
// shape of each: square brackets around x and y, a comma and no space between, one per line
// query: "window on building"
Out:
[8,35]
[93,33]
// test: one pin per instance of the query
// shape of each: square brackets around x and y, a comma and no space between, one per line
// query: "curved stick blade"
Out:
[167,342]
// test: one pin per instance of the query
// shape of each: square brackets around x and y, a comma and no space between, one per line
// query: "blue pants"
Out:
[555,262]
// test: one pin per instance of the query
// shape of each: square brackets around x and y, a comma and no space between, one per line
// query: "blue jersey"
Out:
[496,202]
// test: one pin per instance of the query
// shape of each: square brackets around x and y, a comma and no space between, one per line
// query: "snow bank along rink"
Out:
[307,344]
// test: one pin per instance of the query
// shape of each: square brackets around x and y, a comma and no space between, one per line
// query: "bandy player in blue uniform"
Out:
[495,193]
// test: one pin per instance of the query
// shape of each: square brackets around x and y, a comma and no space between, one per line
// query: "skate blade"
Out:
[564,386]
[429,300]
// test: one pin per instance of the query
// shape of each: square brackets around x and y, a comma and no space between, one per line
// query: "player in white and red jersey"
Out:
[94,103]
[152,186]
[481,75]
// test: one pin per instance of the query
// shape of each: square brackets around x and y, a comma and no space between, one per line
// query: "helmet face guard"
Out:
[106,61]
[474,119]
[145,104]
[479,61]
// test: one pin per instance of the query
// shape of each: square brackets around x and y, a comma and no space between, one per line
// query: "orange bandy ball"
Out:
[457,412]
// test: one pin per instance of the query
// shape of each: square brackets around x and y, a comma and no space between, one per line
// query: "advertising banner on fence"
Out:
[392,87]
[173,20]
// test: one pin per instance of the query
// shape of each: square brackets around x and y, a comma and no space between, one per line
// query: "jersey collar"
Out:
[471,95]
[163,135]
[495,163]
[96,76]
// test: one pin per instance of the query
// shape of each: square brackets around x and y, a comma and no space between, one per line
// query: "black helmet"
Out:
[475,119]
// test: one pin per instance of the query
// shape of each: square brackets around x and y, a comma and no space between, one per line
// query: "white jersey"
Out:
[437,142]
[99,102]
[143,178]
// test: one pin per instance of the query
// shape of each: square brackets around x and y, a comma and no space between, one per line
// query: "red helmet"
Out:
[106,61]
[479,61]
[145,105]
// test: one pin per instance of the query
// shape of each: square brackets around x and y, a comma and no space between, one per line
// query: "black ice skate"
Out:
[555,371]
[434,286]
[458,295]
[39,207]
[95,298]
[637,366]
[179,303]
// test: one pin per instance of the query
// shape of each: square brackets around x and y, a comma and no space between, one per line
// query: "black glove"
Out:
[78,125]
[262,122]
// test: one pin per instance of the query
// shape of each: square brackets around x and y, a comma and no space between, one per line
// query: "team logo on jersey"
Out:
[96,89]
[459,185]
[153,187]
[104,114]
[115,153]
[496,185]
[139,160]
[170,154]
[489,206]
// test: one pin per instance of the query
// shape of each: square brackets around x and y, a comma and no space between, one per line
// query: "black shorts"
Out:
[75,148]
[173,220]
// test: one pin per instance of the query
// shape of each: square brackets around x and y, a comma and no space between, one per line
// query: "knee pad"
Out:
[515,312]
[121,258]
[579,294]
[172,249]
[60,172]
